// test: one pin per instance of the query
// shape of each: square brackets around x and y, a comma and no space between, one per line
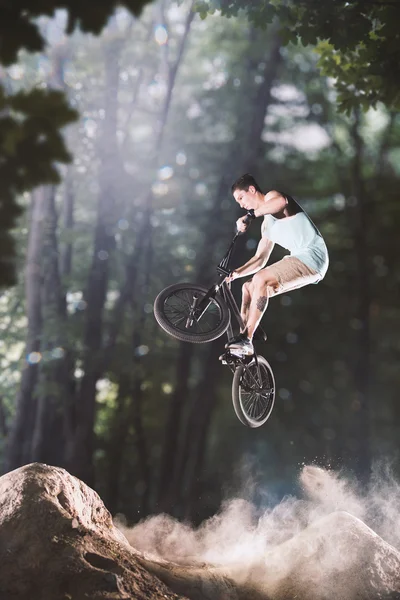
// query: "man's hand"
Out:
[242,224]
[233,275]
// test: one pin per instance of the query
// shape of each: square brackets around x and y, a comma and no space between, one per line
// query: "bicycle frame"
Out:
[195,302]
[224,289]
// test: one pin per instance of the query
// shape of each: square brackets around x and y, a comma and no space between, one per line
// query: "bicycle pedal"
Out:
[227,358]
[222,358]
[248,359]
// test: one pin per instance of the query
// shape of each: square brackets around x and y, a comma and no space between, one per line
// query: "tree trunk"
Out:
[140,443]
[130,411]
[200,420]
[171,73]
[129,285]
[53,425]
[119,431]
[80,450]
[137,389]
[68,225]
[3,420]
[360,427]
[20,437]
[165,499]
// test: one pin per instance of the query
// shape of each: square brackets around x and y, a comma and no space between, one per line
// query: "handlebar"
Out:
[223,267]
[249,217]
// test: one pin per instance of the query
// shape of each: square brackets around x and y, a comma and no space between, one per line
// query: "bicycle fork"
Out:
[234,362]
[259,378]
[255,377]
[197,309]
[190,319]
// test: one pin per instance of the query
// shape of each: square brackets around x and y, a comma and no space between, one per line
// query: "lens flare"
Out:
[161,35]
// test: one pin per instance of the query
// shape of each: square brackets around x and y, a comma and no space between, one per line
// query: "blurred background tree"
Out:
[358,41]
[31,121]
[172,109]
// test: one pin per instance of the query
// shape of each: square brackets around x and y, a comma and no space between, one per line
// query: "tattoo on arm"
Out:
[262,303]
[246,306]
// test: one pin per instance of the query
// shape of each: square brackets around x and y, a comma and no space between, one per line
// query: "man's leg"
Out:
[254,303]
[284,276]
[246,301]
[264,282]
[281,277]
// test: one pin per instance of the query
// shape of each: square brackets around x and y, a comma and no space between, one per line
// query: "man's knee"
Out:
[263,280]
[246,288]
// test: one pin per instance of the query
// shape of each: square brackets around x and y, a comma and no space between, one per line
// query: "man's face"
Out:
[246,200]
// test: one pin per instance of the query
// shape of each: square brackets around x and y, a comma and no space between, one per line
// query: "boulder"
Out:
[58,542]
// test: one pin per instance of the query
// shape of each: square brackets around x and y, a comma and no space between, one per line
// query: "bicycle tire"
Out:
[242,389]
[204,330]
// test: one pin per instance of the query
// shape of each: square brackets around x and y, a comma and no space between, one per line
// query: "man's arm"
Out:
[274,203]
[257,262]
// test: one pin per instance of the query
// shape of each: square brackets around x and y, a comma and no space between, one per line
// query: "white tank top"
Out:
[299,235]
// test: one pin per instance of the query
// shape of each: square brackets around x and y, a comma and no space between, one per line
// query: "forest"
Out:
[165,111]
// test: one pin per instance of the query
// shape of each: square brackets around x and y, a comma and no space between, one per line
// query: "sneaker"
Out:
[234,339]
[242,346]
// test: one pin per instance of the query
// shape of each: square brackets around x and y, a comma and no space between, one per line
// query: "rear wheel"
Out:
[253,392]
[173,311]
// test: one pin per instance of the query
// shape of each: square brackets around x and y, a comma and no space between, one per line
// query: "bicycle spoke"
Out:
[177,309]
[250,402]
[175,317]
[204,319]
[251,376]
[178,321]
[255,405]
[187,298]
[256,391]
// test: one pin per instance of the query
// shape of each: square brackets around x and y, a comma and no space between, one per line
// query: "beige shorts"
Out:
[291,273]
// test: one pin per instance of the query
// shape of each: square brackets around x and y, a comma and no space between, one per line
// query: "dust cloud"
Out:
[242,538]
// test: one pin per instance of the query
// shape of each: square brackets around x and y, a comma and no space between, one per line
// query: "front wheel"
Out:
[253,392]
[173,310]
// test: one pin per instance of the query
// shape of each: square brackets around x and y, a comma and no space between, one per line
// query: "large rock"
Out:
[58,542]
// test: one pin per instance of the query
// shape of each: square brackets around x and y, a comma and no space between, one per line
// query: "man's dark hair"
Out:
[244,182]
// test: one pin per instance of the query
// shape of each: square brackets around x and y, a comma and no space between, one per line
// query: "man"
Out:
[286,224]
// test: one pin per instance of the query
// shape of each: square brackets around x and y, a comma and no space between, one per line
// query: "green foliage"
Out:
[359,42]
[31,139]
[19,27]
[30,143]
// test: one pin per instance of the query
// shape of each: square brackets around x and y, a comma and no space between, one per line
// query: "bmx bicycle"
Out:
[193,313]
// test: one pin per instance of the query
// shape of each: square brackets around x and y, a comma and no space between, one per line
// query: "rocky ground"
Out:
[58,542]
